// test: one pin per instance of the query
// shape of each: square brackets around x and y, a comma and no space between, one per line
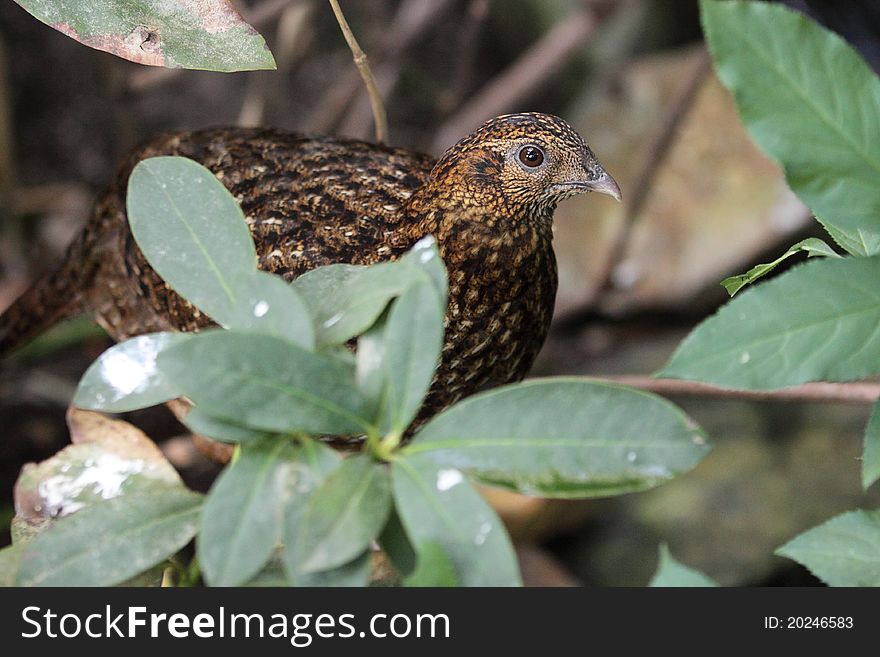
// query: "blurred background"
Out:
[700,203]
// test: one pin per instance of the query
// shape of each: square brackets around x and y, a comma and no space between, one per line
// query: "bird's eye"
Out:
[531,156]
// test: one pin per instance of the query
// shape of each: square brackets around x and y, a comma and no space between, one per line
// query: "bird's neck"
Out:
[478,221]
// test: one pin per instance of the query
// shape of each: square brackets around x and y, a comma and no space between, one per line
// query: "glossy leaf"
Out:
[268,304]
[845,551]
[437,505]
[267,383]
[575,438]
[815,113]
[242,517]
[820,321]
[346,300]
[425,255]
[125,377]
[208,34]
[871,456]
[671,573]
[109,542]
[345,513]
[812,246]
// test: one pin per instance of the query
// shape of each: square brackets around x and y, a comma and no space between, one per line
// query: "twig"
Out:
[656,154]
[848,393]
[412,19]
[522,77]
[360,60]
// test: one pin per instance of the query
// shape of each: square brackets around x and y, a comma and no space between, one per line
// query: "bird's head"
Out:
[528,162]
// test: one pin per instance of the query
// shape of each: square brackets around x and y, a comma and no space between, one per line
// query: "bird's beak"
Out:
[605,184]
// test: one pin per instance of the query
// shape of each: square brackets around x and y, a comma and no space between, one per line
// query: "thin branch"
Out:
[848,393]
[360,60]
[412,20]
[523,77]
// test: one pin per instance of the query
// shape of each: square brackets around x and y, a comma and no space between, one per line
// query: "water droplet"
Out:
[631,457]
[744,357]
[483,533]
[260,308]
[446,479]
[333,320]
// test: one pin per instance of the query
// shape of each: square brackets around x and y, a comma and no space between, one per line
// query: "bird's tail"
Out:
[53,297]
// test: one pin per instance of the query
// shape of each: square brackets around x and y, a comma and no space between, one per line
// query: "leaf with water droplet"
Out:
[580,438]
[455,518]
[816,322]
[125,377]
[269,304]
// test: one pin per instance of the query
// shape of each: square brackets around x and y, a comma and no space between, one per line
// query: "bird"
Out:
[317,200]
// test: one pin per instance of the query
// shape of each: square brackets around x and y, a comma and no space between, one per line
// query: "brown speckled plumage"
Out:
[313,201]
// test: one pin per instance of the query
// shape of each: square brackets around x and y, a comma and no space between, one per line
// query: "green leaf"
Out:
[354,573]
[268,304]
[812,245]
[820,321]
[395,544]
[434,568]
[198,35]
[579,438]
[814,113]
[192,232]
[871,456]
[267,383]
[320,461]
[437,505]
[125,377]
[425,255]
[412,339]
[671,573]
[200,422]
[345,300]
[10,560]
[108,458]
[845,551]
[109,542]
[345,513]
[242,517]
